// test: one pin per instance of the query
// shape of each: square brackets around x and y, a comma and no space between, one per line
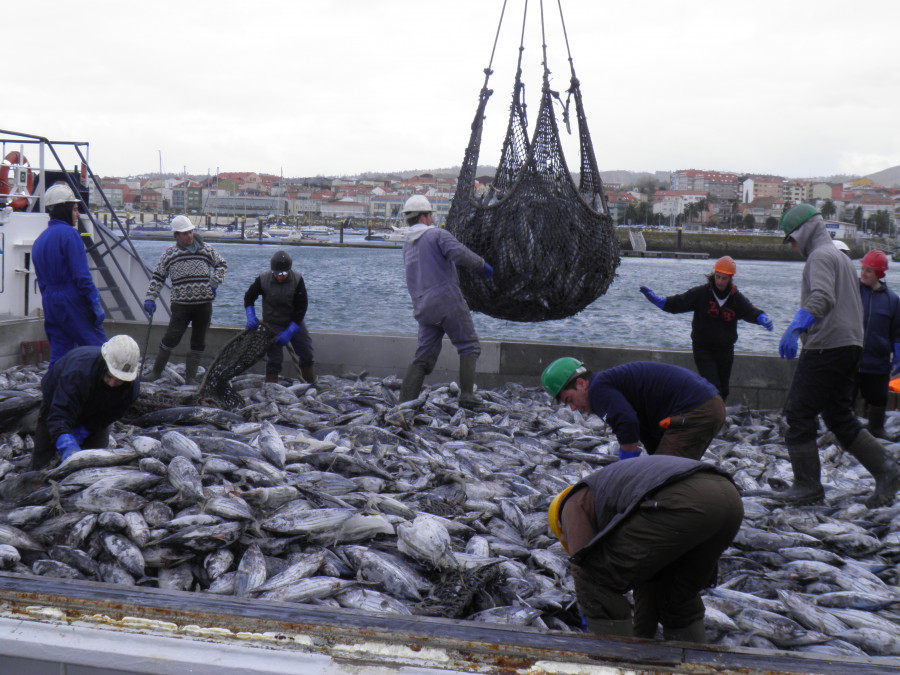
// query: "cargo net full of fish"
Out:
[551,243]
[236,356]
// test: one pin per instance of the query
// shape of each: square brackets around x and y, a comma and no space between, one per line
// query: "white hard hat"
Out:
[122,357]
[840,246]
[417,204]
[182,224]
[59,193]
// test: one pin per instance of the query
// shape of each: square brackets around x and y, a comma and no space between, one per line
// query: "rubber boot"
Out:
[872,455]
[467,396]
[162,358]
[623,627]
[271,377]
[308,374]
[191,364]
[412,383]
[695,632]
[807,487]
[876,422]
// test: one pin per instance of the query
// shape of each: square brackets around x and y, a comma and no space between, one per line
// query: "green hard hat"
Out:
[559,373]
[795,216]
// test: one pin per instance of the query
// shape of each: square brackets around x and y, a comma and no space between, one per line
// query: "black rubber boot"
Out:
[623,628]
[876,422]
[308,374]
[807,487]
[872,455]
[191,363]
[695,632]
[467,395]
[159,365]
[412,383]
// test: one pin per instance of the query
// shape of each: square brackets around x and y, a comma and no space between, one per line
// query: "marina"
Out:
[352,421]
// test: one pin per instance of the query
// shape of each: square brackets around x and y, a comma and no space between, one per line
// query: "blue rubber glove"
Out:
[801,322]
[658,300]
[764,321]
[214,291]
[487,271]
[895,366]
[287,334]
[628,454]
[67,446]
[99,315]
[149,307]
[252,321]
[80,434]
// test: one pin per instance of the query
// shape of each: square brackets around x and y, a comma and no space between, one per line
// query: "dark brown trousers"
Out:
[667,550]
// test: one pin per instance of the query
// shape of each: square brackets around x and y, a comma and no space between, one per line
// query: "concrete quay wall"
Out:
[757,381]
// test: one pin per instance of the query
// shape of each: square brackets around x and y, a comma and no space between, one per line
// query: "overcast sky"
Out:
[798,88]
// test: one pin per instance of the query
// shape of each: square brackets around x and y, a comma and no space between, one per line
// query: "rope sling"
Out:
[552,245]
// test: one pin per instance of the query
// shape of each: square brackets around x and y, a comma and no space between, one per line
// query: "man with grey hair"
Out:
[830,321]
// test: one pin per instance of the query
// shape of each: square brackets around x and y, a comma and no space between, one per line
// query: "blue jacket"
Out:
[881,320]
[636,397]
[75,393]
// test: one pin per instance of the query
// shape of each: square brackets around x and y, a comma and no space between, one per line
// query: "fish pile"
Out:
[337,495]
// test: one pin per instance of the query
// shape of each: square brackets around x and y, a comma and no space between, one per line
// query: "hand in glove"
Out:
[67,446]
[658,300]
[895,366]
[252,321]
[801,323]
[214,288]
[149,307]
[287,334]
[80,434]
[99,315]
[764,321]
[487,271]
[628,454]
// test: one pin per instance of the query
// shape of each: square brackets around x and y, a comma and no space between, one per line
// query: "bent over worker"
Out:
[73,315]
[830,321]
[430,255]
[654,524]
[669,409]
[196,270]
[284,308]
[717,306]
[84,393]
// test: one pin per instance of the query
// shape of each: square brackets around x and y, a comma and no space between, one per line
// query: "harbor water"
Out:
[364,290]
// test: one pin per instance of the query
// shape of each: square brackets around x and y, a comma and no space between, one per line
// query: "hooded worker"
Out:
[196,270]
[431,256]
[830,322]
[73,315]
[881,323]
[717,306]
[284,307]
[656,524]
[84,392]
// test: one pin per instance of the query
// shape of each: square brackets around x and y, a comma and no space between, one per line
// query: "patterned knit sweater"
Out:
[193,274]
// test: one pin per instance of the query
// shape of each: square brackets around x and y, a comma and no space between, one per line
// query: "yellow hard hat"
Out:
[553,516]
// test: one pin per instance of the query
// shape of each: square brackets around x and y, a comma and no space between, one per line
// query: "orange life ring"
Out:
[15,158]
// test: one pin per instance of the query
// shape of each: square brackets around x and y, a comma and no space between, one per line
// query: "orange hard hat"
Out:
[725,265]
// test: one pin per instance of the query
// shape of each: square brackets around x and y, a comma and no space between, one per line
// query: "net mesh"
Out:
[552,245]
[236,356]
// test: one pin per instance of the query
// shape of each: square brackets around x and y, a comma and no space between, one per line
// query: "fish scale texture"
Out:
[552,245]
